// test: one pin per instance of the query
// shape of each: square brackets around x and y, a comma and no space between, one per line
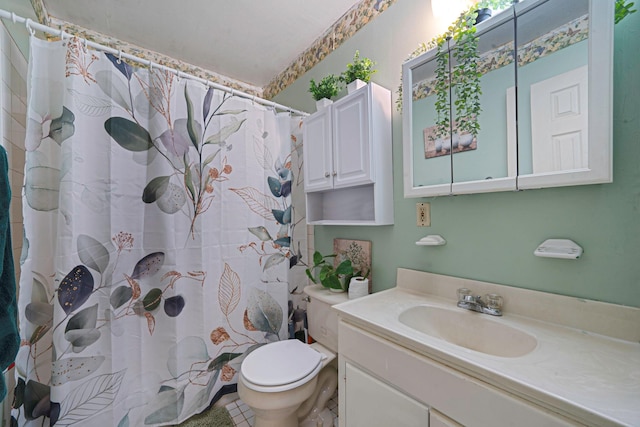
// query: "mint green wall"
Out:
[492,237]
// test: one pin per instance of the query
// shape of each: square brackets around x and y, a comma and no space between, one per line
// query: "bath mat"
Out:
[212,417]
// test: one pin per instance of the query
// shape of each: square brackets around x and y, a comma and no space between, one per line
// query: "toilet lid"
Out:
[280,363]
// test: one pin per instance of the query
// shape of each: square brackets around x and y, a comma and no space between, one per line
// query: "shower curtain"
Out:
[158,227]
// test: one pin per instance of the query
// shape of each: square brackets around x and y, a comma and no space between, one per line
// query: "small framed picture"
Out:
[358,251]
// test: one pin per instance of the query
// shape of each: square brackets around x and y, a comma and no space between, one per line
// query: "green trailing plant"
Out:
[463,77]
[327,88]
[360,68]
[442,105]
[324,273]
[623,9]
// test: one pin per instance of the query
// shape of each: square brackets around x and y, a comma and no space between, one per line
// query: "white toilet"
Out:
[288,383]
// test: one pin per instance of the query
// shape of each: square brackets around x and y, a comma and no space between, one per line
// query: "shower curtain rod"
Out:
[31,26]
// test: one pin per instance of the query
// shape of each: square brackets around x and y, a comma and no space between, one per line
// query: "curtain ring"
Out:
[150,64]
[27,24]
[61,35]
[233,92]
[13,17]
[85,43]
[120,56]
[178,72]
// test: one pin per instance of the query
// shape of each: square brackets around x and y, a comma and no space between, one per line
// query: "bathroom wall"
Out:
[13,94]
[492,237]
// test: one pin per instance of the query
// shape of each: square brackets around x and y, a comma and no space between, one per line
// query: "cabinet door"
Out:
[317,152]
[370,402]
[436,419]
[351,144]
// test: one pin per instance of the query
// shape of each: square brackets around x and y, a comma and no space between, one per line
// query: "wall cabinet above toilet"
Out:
[348,161]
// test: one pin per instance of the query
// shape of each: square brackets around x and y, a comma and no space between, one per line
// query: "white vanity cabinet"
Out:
[348,161]
[452,397]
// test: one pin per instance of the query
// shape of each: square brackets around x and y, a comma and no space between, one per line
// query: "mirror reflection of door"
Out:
[559,122]
[552,81]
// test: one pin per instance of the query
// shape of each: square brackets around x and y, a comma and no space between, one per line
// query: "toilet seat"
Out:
[280,366]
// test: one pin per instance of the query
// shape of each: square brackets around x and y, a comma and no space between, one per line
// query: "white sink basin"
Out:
[468,329]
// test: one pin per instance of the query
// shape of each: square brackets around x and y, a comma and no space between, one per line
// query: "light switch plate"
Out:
[423,214]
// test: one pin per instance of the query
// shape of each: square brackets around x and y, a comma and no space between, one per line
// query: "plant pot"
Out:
[337,291]
[323,103]
[465,140]
[355,85]
[483,15]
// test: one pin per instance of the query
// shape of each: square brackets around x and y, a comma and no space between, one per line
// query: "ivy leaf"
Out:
[275,186]
[121,65]
[155,189]
[229,290]
[173,306]
[264,312]
[185,353]
[152,299]
[222,360]
[283,241]
[148,266]
[74,368]
[62,127]
[225,132]
[166,407]
[75,289]
[206,104]
[129,135]
[92,253]
[84,319]
[286,189]
[36,400]
[42,188]
[261,233]
[39,313]
[190,119]
[120,295]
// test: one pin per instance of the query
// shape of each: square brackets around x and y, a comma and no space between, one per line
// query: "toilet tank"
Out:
[322,320]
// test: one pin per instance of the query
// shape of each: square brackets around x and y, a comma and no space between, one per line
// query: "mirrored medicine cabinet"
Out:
[545,119]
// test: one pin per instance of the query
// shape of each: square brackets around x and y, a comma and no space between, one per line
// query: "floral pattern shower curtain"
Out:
[158,227]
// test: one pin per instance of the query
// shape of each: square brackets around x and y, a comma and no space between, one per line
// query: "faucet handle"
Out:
[493,301]
[463,293]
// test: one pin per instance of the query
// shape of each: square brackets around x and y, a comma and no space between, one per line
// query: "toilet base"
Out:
[278,409]
[323,419]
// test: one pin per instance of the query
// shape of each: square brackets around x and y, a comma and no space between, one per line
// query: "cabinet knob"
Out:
[335,173]
[326,174]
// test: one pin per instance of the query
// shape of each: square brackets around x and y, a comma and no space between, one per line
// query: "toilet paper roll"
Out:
[358,287]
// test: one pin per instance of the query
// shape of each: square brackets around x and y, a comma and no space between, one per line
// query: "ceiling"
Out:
[247,40]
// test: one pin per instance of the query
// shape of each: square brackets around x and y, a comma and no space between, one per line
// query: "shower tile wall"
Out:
[13,92]
[13,95]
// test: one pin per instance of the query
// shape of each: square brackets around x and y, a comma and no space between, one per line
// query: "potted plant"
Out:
[325,90]
[335,279]
[358,72]
[623,9]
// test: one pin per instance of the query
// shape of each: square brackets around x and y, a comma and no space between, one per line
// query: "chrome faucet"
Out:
[492,304]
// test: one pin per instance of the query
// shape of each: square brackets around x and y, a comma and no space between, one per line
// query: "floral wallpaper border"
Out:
[345,27]
[41,11]
[350,23]
[560,38]
[159,58]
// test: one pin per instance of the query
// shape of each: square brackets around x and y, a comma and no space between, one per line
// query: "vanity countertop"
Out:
[583,368]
